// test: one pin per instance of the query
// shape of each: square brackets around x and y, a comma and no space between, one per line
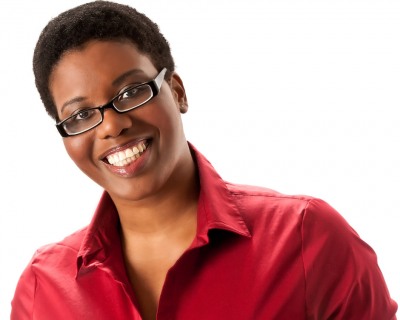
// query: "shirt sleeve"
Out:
[343,279]
[23,301]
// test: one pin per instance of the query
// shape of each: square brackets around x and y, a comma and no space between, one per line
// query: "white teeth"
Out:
[121,155]
[115,158]
[135,150]
[122,158]
[129,153]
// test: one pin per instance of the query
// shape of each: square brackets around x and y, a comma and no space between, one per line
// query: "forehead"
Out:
[94,68]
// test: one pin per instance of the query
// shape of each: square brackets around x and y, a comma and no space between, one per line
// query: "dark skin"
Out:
[157,199]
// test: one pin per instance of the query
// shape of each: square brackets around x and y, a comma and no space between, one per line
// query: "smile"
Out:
[127,156]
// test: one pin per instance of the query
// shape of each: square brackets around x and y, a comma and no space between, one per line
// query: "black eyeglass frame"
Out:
[154,84]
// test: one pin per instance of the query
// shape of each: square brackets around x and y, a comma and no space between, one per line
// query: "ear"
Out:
[179,93]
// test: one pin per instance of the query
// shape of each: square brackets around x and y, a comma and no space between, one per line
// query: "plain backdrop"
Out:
[295,95]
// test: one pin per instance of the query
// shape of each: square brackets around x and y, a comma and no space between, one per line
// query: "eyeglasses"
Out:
[131,98]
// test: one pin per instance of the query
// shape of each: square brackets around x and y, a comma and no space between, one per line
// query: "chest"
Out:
[225,280]
[147,279]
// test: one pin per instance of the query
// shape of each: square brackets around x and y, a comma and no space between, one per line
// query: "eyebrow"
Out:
[72,101]
[117,82]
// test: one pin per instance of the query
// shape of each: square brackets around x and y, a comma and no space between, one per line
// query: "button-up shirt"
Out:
[257,255]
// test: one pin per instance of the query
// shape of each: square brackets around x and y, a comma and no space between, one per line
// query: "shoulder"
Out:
[310,217]
[68,247]
[306,206]
[243,190]
[340,270]
[260,200]
[49,264]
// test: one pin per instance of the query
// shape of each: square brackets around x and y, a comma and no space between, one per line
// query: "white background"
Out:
[299,96]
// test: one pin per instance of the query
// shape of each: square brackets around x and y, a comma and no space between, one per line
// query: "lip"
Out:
[132,168]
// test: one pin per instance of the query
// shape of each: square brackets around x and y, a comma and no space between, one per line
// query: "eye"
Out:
[134,93]
[85,114]
[129,93]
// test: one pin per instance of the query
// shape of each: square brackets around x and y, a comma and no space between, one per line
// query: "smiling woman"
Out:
[170,239]
[91,75]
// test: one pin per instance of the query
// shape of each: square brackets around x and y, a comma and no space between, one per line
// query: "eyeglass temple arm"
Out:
[160,78]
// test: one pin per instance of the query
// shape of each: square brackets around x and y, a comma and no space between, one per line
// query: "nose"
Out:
[114,124]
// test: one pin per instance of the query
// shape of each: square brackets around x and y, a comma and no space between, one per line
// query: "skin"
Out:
[157,203]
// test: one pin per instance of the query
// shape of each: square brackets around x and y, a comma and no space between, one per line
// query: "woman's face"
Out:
[151,137]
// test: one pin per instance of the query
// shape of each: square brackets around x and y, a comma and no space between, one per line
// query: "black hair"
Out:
[97,20]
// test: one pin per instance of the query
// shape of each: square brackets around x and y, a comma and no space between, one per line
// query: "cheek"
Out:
[78,150]
[169,124]
[169,116]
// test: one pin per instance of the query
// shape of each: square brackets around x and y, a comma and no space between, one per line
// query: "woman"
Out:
[170,239]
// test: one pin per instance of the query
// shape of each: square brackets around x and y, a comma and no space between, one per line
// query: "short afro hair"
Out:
[97,20]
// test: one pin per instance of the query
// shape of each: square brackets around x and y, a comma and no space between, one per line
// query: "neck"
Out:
[155,232]
[173,207]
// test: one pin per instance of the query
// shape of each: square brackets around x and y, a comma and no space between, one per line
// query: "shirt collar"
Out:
[101,236]
[217,209]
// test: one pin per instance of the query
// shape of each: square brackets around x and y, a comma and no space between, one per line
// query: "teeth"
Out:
[115,158]
[129,153]
[122,158]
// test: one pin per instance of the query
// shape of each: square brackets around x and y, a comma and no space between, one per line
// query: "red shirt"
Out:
[258,254]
